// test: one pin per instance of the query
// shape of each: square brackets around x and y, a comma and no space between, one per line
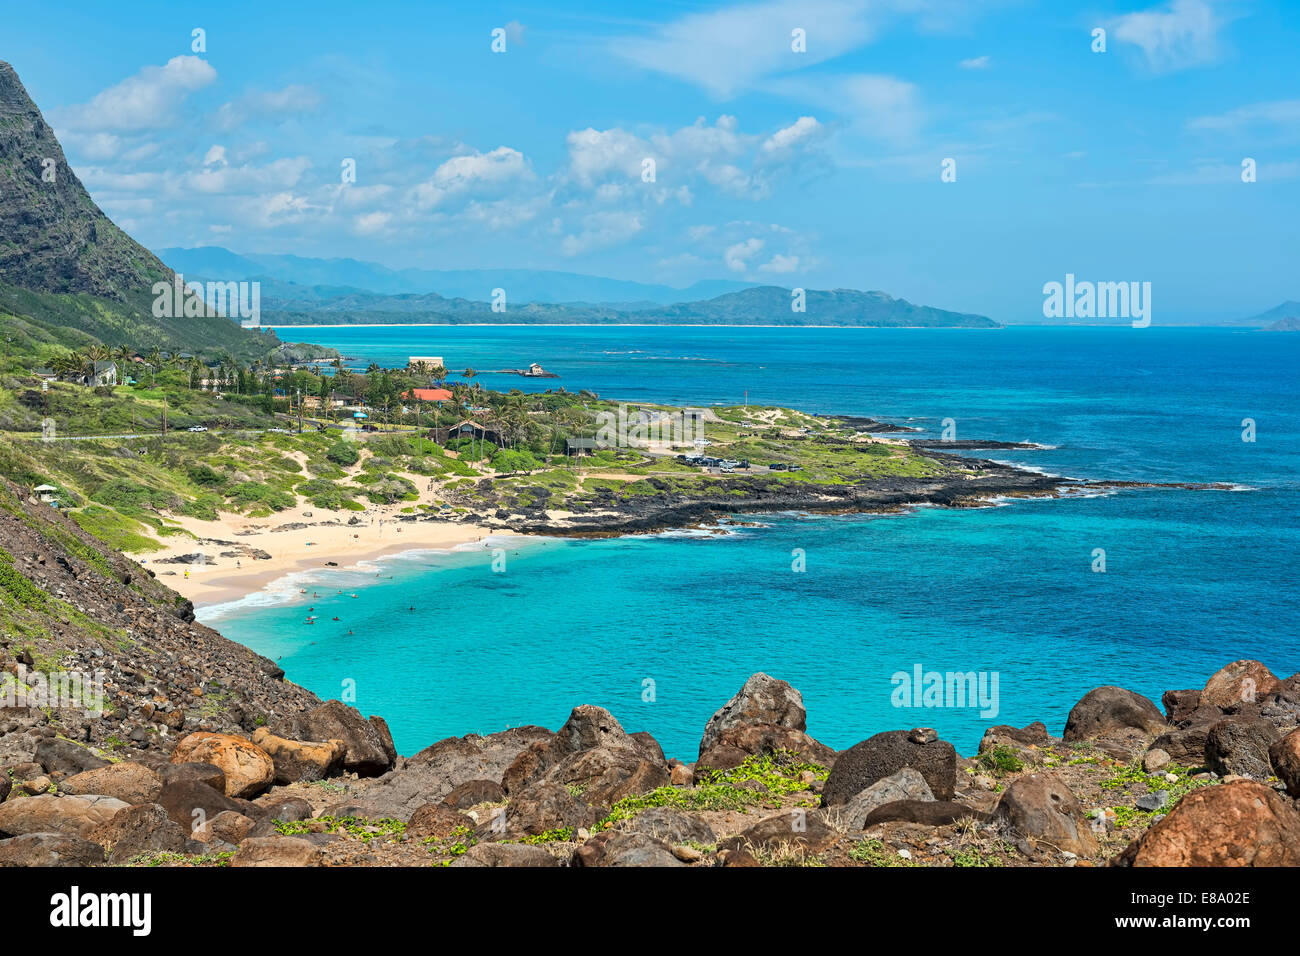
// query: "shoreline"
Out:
[245,556]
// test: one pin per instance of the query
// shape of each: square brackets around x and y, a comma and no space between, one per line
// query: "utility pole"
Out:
[300,411]
[164,431]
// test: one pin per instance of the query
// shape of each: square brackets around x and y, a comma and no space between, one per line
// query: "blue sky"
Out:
[818,168]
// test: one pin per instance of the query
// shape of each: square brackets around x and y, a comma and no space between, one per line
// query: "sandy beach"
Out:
[242,555]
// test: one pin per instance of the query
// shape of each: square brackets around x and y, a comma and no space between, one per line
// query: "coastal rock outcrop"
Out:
[1039,808]
[1237,824]
[762,700]
[1244,681]
[906,784]
[885,754]
[593,751]
[77,816]
[1241,745]
[1284,755]
[369,744]
[50,849]
[127,781]
[1107,710]
[299,761]
[624,848]
[439,769]
[248,769]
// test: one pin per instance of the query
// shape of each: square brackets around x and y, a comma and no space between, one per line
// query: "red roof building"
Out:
[428,395]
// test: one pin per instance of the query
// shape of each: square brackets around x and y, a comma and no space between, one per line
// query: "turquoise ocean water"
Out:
[662,630]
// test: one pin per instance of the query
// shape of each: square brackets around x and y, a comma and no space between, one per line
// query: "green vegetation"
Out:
[777,774]
[875,853]
[1000,760]
[358,828]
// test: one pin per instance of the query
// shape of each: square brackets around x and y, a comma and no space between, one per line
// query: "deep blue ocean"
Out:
[663,630]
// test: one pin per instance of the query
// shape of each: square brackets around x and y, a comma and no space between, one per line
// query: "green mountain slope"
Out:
[64,265]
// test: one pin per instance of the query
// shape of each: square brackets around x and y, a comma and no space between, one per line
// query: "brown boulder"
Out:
[624,848]
[248,768]
[277,851]
[207,774]
[1042,809]
[805,830]
[544,807]
[1239,682]
[1105,710]
[228,826]
[190,804]
[1180,704]
[50,849]
[369,745]
[883,756]
[1241,745]
[1004,735]
[473,792]
[1236,824]
[733,745]
[930,813]
[300,761]
[506,855]
[762,700]
[1284,755]
[78,816]
[139,829]
[130,782]
[436,820]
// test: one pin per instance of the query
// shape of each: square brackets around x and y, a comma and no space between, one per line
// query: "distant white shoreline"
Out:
[613,325]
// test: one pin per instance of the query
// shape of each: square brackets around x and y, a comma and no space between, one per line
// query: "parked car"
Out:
[795,468]
[776,466]
[197,428]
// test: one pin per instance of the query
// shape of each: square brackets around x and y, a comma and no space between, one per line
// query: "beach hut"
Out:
[47,494]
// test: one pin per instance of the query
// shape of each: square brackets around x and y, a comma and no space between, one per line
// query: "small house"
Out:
[581,447]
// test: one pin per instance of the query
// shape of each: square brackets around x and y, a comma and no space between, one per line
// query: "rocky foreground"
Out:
[1211,781]
[201,754]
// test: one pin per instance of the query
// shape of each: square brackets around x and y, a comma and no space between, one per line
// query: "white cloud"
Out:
[975,63]
[726,51]
[1284,113]
[224,179]
[780,264]
[471,171]
[1181,34]
[595,154]
[149,100]
[881,106]
[804,130]
[371,223]
[600,230]
[295,99]
[216,156]
[737,257]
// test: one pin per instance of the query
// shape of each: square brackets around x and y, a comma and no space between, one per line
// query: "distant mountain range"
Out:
[301,291]
[1275,319]
[524,285]
[762,305]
